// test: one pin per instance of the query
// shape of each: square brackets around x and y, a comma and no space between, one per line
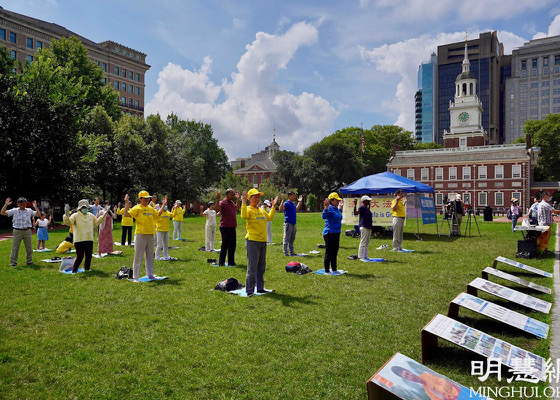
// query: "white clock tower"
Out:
[465,112]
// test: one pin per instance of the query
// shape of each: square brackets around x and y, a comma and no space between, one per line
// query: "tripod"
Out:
[447,216]
[468,226]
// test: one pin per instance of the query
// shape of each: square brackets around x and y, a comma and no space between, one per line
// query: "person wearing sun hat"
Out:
[365,223]
[146,218]
[398,208]
[177,215]
[514,212]
[266,206]
[83,223]
[255,239]
[331,233]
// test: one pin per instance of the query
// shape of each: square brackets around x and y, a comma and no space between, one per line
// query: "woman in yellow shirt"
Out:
[126,225]
[177,214]
[255,239]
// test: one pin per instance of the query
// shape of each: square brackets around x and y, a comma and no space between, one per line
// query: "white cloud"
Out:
[404,57]
[254,102]
[553,29]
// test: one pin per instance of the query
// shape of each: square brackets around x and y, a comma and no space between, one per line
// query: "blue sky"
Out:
[305,68]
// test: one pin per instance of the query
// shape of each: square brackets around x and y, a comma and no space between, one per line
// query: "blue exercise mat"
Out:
[241,292]
[146,279]
[166,259]
[339,272]
[218,265]
[42,251]
[372,259]
[69,271]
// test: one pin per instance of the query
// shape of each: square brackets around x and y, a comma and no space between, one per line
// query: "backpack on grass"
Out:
[228,285]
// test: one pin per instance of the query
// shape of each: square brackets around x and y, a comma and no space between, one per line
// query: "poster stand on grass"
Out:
[498,313]
[522,266]
[512,278]
[480,343]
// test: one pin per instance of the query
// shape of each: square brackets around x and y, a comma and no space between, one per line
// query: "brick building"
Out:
[124,68]
[259,166]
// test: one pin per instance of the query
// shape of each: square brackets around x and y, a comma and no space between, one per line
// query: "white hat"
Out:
[178,202]
[365,197]
[267,202]
[458,197]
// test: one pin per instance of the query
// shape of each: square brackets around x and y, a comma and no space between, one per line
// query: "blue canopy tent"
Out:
[387,182]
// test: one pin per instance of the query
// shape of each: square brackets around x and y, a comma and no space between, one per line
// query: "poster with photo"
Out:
[502,314]
[483,344]
[525,267]
[407,379]
[511,295]
[515,279]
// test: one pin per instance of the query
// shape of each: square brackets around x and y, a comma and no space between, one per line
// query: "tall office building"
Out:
[485,55]
[427,73]
[124,68]
[533,89]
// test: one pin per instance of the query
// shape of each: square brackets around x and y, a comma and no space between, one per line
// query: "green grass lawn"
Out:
[92,336]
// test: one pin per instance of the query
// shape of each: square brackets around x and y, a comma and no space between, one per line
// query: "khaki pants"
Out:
[398,231]
[365,235]
[162,244]
[143,244]
[19,235]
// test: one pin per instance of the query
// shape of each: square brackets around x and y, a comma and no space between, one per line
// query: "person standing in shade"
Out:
[544,217]
[162,233]
[21,223]
[331,233]
[290,218]
[398,208]
[365,223]
[514,212]
[228,225]
[146,218]
[534,210]
[42,230]
[95,210]
[177,214]
[126,225]
[210,227]
[255,239]
[458,209]
[83,223]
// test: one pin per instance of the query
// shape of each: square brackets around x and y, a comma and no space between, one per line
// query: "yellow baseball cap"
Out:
[335,196]
[253,192]
[143,193]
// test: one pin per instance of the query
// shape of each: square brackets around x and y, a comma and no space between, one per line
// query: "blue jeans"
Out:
[513,221]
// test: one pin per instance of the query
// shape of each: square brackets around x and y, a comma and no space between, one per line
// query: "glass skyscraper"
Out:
[427,86]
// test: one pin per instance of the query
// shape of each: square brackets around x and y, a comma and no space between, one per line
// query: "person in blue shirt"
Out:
[289,209]
[331,232]
[365,225]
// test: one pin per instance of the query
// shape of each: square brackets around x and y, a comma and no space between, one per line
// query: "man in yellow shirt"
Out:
[177,215]
[398,207]
[146,218]
[162,233]
[255,239]
[126,225]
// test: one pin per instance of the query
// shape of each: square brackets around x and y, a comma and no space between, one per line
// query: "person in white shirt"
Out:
[210,228]
[21,222]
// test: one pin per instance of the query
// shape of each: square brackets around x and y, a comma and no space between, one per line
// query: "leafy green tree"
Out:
[427,146]
[545,134]
[311,202]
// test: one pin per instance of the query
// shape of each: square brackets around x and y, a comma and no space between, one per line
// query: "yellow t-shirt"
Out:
[177,214]
[126,221]
[256,222]
[63,247]
[162,223]
[399,211]
[146,218]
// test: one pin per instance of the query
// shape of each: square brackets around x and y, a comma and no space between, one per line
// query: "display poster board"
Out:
[524,267]
[389,383]
[380,210]
[499,313]
[484,344]
[428,207]
[515,279]
[509,294]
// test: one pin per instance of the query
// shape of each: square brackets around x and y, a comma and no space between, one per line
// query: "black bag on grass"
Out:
[293,267]
[228,285]
[124,273]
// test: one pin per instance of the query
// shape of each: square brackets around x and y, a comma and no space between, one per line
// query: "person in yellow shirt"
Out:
[435,387]
[177,214]
[126,225]
[146,218]
[255,239]
[398,207]
[162,233]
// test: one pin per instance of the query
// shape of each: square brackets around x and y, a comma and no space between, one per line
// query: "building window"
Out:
[545,61]
[137,77]
[137,89]
[424,175]
[29,58]
[523,65]
[534,63]
[137,103]
[397,172]
[410,173]
[104,80]
[2,34]
[137,57]
[123,100]
[498,199]
[13,54]
[123,87]
[517,195]
[466,172]
[117,72]
[516,171]
[452,173]
[130,74]
[439,199]
[130,101]
[117,85]
[462,142]
[29,43]
[39,44]
[124,73]
[499,172]
[124,52]
[556,60]
[482,199]
[131,88]
[439,174]
[12,37]
[545,70]
[104,67]
[482,172]
[255,179]
[467,198]
[117,49]
[534,72]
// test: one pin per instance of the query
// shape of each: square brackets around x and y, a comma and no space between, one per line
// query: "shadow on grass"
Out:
[96,273]
[430,237]
[287,299]
[366,277]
